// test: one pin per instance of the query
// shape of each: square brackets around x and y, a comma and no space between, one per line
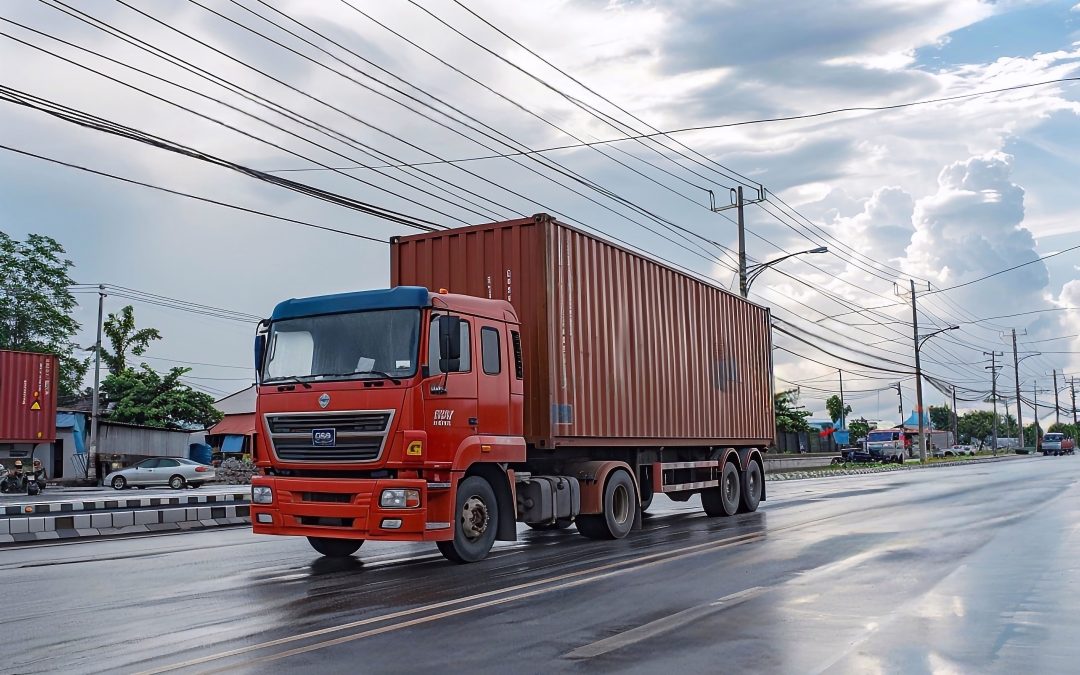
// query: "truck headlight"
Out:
[260,494]
[399,499]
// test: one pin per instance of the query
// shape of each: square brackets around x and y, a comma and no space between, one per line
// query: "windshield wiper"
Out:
[378,373]
[289,378]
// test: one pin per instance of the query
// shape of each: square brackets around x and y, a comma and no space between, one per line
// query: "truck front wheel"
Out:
[620,507]
[335,548]
[723,500]
[478,519]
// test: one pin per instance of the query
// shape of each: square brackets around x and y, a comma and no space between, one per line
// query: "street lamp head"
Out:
[819,249]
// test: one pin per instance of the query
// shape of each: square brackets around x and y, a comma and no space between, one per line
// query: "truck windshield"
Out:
[377,343]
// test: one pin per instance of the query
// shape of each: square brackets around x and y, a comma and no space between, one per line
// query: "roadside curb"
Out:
[30,528]
[39,507]
[828,473]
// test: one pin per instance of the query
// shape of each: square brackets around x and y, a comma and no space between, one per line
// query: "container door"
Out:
[493,381]
[450,417]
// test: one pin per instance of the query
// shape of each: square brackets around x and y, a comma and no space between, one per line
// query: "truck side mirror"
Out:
[449,343]
[260,350]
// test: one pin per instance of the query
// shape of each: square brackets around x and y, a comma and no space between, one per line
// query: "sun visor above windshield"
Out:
[395,298]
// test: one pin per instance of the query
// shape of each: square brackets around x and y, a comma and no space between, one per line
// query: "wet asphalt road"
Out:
[962,569]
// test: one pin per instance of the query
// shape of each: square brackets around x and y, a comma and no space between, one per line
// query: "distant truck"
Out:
[522,371]
[888,445]
[1056,443]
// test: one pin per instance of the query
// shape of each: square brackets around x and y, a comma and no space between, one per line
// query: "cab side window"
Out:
[489,347]
[464,364]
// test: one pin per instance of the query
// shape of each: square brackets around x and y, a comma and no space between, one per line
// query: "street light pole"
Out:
[91,457]
[744,286]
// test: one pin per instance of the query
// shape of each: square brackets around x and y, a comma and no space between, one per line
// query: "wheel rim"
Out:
[620,504]
[118,482]
[731,486]
[474,518]
[176,484]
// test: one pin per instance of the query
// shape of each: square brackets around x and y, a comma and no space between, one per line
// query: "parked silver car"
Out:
[175,472]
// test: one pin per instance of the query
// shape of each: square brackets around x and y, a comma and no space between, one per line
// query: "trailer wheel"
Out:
[723,500]
[751,488]
[335,548]
[477,522]
[620,507]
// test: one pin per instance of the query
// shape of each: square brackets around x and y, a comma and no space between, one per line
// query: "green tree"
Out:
[124,337]
[941,417]
[143,396]
[788,417]
[836,408]
[859,429]
[1071,430]
[976,425]
[36,305]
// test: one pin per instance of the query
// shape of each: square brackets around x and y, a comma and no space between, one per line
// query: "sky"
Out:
[943,193]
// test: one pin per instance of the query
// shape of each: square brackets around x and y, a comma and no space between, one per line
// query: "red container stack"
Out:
[27,397]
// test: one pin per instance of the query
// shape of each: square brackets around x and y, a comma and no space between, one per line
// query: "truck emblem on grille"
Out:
[324,438]
[324,400]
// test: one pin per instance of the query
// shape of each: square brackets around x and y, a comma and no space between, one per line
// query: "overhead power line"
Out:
[725,125]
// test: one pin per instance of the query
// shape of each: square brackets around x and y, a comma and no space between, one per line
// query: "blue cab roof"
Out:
[401,297]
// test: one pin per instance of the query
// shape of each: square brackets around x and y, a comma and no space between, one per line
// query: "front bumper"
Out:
[349,509]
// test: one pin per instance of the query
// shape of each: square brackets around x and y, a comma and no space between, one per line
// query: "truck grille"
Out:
[360,435]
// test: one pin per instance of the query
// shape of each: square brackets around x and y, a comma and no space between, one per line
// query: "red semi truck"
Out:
[522,371]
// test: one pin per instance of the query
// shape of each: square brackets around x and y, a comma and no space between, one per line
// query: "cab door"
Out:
[450,398]
[493,379]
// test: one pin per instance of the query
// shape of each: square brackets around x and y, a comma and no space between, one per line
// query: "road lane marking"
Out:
[635,563]
[747,539]
[663,625]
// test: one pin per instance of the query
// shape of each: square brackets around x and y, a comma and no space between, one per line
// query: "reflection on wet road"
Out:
[966,569]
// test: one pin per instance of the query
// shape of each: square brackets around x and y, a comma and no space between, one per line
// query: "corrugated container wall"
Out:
[27,397]
[618,349]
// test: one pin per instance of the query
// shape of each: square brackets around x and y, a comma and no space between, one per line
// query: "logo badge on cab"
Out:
[324,400]
[326,438]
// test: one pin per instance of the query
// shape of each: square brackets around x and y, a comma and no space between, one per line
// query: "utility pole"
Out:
[993,379]
[842,426]
[1057,406]
[744,289]
[900,393]
[918,377]
[91,457]
[955,418]
[1016,371]
[1074,390]
[1035,405]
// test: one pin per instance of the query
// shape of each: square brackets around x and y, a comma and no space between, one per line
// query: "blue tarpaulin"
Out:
[232,444]
[77,423]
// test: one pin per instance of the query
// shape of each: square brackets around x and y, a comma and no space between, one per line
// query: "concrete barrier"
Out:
[104,518]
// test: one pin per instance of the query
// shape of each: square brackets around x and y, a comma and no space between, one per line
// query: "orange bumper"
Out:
[349,509]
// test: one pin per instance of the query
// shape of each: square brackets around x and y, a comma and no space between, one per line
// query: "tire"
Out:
[620,508]
[119,483]
[559,524]
[177,482]
[723,500]
[750,494]
[477,521]
[335,548]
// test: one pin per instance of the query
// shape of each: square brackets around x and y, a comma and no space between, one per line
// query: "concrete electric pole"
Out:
[993,384]
[91,457]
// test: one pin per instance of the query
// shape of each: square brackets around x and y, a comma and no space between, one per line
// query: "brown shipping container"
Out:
[618,349]
[27,397]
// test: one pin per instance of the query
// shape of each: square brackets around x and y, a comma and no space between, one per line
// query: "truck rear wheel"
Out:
[477,520]
[620,506]
[751,488]
[335,548]
[723,500]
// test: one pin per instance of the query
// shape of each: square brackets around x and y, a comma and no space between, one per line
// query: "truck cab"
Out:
[374,410]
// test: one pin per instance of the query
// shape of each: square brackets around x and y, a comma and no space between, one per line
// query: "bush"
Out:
[236,471]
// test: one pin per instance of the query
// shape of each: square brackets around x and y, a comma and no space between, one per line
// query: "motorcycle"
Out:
[17,481]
